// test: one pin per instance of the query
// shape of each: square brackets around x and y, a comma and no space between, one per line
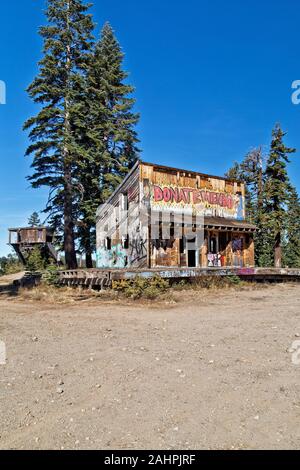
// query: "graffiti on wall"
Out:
[202,201]
[116,257]
[121,255]
[138,250]
[137,246]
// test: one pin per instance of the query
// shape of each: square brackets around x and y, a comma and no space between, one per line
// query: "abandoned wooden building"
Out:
[24,240]
[156,214]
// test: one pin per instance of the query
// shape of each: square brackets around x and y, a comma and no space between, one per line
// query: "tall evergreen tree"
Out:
[58,90]
[276,194]
[253,168]
[34,220]
[291,243]
[107,131]
[272,204]
[250,171]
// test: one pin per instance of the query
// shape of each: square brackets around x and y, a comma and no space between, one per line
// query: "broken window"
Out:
[125,242]
[108,243]
[124,202]
[237,244]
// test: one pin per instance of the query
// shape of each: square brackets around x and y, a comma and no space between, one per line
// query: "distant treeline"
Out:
[10,265]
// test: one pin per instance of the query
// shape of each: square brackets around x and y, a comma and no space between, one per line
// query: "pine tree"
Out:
[58,90]
[272,204]
[34,220]
[276,197]
[35,261]
[250,171]
[253,167]
[107,131]
[291,244]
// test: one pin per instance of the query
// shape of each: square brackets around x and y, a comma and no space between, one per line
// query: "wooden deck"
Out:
[102,278]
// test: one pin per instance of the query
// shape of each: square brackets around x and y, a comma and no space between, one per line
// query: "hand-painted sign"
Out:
[201,201]
[192,196]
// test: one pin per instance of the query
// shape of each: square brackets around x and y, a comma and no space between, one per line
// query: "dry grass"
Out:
[62,295]
[68,295]
[212,283]
[173,294]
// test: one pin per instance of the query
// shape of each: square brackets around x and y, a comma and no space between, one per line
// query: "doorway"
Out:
[192,259]
[191,252]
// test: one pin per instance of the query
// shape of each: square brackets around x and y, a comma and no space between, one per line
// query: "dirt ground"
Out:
[211,371]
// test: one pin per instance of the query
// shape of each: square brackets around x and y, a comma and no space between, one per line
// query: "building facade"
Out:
[168,217]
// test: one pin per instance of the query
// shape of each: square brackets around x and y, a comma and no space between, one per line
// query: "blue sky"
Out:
[212,79]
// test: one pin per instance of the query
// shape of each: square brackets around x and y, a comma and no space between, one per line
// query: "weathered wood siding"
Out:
[174,190]
[169,191]
[122,252]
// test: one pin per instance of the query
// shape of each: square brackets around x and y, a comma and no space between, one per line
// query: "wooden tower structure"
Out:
[24,240]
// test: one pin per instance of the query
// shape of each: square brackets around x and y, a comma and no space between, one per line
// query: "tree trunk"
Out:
[260,189]
[88,249]
[69,239]
[278,251]
[69,242]
[89,260]
[88,252]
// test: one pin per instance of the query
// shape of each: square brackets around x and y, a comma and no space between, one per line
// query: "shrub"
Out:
[35,262]
[208,282]
[51,276]
[235,280]
[149,288]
